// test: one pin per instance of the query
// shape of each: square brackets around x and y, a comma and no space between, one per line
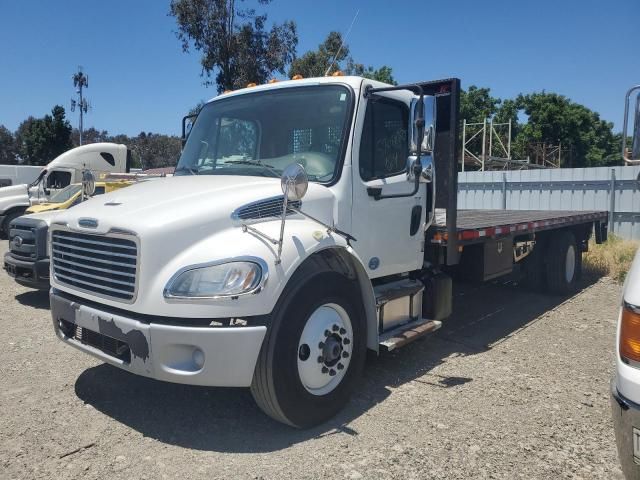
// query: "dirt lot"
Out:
[514,386]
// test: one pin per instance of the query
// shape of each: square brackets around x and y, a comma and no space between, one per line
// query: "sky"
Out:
[141,80]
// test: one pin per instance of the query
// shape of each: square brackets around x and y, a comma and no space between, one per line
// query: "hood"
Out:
[47,217]
[12,196]
[13,190]
[193,205]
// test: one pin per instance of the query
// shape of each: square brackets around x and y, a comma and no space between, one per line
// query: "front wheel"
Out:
[313,353]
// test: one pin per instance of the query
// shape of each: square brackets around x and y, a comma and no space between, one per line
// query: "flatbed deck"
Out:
[475,225]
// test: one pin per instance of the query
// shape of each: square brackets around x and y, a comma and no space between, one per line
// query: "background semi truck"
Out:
[308,221]
[27,260]
[61,172]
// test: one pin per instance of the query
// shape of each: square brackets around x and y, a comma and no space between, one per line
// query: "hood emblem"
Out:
[88,222]
[17,241]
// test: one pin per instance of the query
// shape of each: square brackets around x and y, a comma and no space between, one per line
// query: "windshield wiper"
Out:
[191,170]
[250,162]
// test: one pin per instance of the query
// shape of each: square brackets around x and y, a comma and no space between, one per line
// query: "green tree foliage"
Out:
[476,104]
[233,41]
[332,55]
[327,58]
[155,150]
[40,140]
[89,135]
[8,148]
[552,119]
[555,119]
[383,74]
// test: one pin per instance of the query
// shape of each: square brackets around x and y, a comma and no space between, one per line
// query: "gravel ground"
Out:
[515,385]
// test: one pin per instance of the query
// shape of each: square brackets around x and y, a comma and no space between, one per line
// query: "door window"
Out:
[58,179]
[384,145]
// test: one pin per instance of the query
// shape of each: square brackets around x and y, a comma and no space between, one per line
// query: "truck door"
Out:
[389,231]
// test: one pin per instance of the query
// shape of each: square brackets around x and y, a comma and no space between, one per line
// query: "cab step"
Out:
[407,333]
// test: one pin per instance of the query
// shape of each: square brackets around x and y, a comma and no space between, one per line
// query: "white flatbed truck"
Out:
[307,222]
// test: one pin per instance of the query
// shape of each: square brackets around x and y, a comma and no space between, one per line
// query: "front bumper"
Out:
[626,420]
[30,273]
[213,356]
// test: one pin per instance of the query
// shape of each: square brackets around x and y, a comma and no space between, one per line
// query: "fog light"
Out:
[198,358]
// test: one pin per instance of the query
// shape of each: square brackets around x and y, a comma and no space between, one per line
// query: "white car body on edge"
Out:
[625,386]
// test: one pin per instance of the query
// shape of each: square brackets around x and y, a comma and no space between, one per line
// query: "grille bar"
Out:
[106,270]
[92,250]
[108,244]
[92,259]
[72,271]
[100,264]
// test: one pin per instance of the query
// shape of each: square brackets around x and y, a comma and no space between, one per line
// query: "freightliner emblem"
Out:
[88,222]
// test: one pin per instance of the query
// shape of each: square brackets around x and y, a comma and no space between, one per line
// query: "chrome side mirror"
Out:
[88,184]
[633,156]
[424,170]
[425,133]
[294,182]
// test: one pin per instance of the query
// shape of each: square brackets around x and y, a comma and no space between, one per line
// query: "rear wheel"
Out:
[313,353]
[564,263]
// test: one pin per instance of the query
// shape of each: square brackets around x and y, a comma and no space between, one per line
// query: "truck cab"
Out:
[64,170]
[298,231]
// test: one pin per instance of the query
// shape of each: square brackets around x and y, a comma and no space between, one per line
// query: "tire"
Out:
[7,220]
[563,263]
[278,386]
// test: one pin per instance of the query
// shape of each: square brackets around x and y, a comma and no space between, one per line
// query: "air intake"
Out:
[268,208]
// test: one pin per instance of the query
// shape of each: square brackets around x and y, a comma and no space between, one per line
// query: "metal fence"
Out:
[614,189]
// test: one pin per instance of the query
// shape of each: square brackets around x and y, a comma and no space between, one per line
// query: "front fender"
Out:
[302,238]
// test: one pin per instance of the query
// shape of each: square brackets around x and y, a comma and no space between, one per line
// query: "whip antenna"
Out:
[344,39]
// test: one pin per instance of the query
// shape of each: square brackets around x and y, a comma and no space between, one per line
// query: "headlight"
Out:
[212,281]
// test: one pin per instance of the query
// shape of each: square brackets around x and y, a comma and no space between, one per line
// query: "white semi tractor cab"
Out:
[62,171]
[307,222]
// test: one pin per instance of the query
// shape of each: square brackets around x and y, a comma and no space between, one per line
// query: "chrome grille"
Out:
[99,264]
[271,207]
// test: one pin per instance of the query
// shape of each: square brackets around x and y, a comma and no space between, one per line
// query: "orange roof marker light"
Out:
[273,80]
[249,85]
[297,77]
[337,73]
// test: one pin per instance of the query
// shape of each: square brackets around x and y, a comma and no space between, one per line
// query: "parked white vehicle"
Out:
[625,386]
[298,231]
[58,174]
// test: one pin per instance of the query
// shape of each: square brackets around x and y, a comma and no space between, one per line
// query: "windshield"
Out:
[65,194]
[260,134]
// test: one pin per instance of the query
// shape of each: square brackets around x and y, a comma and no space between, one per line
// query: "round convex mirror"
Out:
[294,181]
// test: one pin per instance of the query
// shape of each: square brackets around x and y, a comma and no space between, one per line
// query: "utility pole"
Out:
[80,81]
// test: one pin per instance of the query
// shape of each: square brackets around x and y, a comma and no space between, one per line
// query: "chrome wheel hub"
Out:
[324,350]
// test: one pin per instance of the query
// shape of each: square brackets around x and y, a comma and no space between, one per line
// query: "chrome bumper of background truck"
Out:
[626,419]
[213,356]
